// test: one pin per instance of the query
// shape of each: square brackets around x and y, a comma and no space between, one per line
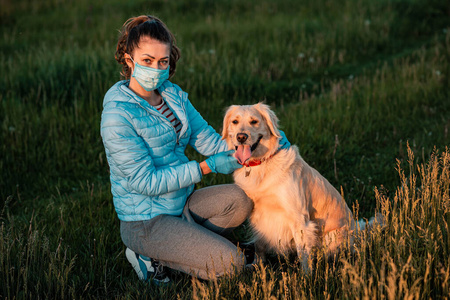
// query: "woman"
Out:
[147,122]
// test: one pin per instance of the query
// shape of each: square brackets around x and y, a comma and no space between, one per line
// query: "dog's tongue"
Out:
[243,153]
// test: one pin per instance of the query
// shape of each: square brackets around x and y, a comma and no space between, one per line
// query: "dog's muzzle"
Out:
[244,152]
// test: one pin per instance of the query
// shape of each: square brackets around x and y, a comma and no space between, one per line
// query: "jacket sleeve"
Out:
[129,158]
[203,138]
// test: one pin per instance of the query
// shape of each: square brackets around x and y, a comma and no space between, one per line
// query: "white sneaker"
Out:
[147,268]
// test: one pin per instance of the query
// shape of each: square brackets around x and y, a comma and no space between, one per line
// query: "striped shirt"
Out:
[166,112]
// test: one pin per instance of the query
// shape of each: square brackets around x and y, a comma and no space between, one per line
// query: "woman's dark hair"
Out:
[144,26]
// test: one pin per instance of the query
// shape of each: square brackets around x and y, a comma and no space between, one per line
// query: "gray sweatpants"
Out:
[194,243]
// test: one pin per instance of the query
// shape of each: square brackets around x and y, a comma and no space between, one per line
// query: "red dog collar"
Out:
[253,163]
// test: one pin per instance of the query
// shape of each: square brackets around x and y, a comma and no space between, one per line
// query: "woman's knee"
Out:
[242,201]
[228,264]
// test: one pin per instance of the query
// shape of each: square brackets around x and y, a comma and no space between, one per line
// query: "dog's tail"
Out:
[377,220]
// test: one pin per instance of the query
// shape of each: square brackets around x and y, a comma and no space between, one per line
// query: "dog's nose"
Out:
[241,137]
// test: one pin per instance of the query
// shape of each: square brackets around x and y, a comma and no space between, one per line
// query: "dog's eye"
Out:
[235,121]
[254,122]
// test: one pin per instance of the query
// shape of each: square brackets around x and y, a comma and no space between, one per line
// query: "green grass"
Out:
[360,86]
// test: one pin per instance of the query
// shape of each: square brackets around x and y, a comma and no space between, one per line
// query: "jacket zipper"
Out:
[173,111]
[164,118]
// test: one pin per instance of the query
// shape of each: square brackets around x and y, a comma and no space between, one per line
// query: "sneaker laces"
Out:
[159,272]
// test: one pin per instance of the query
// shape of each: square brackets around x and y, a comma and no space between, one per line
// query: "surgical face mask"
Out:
[149,78]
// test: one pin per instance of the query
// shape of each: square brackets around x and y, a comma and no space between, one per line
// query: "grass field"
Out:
[362,87]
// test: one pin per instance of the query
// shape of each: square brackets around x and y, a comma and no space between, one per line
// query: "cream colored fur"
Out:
[295,208]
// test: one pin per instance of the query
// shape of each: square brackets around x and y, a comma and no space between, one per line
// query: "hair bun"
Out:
[155,29]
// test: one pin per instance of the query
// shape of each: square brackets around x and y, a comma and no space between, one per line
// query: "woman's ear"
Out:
[129,62]
[270,117]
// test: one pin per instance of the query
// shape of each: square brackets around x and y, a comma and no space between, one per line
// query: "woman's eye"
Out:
[164,62]
[235,122]
[147,61]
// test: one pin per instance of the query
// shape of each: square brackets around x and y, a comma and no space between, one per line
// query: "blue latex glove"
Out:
[284,143]
[223,162]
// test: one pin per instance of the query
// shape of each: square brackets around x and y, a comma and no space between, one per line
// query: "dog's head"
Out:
[252,130]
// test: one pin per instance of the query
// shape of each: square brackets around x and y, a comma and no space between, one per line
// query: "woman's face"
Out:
[151,53]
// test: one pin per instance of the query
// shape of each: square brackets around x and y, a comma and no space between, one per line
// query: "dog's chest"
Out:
[265,192]
[253,181]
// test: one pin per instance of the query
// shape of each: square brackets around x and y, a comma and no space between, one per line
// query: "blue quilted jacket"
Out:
[149,171]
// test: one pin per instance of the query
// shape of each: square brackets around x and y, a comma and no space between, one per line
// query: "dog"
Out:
[295,207]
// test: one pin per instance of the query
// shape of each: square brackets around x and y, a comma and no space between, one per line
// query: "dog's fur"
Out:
[295,208]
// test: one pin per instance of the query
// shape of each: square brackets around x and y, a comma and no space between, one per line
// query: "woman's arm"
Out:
[204,167]
[203,138]
[129,158]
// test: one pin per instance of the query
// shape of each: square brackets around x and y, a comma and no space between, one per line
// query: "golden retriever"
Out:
[295,208]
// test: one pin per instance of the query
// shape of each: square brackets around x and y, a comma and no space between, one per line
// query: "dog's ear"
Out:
[226,121]
[270,117]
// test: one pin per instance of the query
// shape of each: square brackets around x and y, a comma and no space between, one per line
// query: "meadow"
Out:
[362,87]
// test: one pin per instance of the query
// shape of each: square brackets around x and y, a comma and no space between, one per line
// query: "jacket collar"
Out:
[171,93]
